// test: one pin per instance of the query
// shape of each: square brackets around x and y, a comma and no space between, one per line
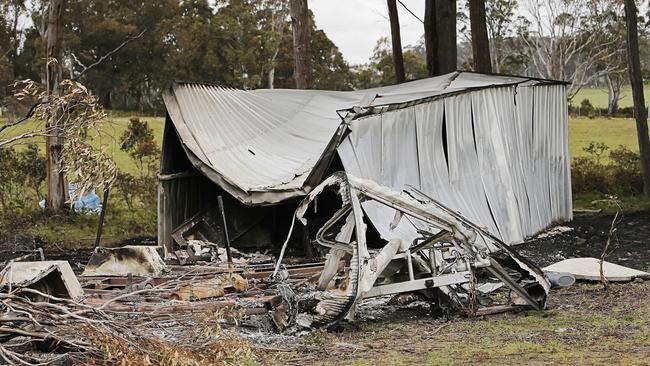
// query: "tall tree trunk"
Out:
[480,41]
[301,28]
[430,36]
[636,79]
[56,186]
[446,29]
[396,40]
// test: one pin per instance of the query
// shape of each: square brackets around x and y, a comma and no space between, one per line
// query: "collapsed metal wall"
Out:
[182,192]
[499,156]
[493,147]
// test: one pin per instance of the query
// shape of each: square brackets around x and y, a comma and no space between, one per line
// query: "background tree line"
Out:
[249,44]
[239,43]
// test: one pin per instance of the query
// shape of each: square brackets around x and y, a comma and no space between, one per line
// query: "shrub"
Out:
[621,174]
[625,171]
[138,141]
[588,175]
[586,108]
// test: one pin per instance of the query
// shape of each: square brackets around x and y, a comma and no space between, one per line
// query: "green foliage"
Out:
[138,141]
[329,70]
[21,176]
[586,107]
[236,43]
[137,192]
[381,71]
[596,149]
[620,174]
[31,167]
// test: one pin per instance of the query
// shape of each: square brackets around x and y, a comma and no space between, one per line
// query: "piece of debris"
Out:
[557,230]
[589,269]
[560,279]
[211,287]
[137,260]
[53,278]
[448,256]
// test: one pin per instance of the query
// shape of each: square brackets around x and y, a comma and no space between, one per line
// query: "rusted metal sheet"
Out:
[210,287]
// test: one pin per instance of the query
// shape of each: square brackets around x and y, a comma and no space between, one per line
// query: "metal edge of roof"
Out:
[530,78]
[358,111]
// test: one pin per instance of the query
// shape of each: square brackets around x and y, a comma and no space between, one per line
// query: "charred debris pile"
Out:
[135,299]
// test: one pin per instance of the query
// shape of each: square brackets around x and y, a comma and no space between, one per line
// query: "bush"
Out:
[21,175]
[139,142]
[621,174]
[625,171]
[586,108]
[588,175]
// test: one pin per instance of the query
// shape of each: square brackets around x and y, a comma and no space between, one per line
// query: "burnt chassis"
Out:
[449,259]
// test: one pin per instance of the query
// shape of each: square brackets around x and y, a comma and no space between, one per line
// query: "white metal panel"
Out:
[491,140]
[496,163]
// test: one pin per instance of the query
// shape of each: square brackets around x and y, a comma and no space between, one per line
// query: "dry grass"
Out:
[584,325]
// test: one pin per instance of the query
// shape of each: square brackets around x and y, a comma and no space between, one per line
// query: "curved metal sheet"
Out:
[265,146]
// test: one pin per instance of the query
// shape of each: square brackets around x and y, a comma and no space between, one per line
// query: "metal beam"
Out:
[419,284]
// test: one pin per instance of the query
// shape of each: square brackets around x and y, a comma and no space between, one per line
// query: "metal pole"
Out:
[101,218]
[225,228]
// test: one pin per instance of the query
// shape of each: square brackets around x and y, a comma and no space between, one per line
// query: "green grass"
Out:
[598,96]
[111,130]
[114,128]
[582,130]
[611,131]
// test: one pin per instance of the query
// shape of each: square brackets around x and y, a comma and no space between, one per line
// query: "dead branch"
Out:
[107,55]
[612,230]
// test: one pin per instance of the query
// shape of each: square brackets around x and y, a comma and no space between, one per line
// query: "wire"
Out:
[284,247]
[409,10]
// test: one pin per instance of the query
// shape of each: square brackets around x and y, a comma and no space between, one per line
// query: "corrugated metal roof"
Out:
[263,145]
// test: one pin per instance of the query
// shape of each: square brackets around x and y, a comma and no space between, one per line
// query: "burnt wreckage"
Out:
[420,187]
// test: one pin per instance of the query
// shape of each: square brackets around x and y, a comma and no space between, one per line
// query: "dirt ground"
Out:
[630,245]
[583,325]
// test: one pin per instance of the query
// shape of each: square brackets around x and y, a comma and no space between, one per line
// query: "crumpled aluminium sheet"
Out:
[268,145]
[498,156]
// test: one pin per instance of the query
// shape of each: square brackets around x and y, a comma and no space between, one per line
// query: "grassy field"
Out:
[611,131]
[111,131]
[582,131]
[598,96]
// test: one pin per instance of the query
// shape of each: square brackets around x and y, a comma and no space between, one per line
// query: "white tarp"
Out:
[499,156]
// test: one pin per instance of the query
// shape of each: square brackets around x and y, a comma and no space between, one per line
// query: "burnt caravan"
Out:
[493,148]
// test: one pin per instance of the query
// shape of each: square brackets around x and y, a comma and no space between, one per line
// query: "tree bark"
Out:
[446,50]
[56,185]
[480,41]
[430,36]
[636,79]
[614,85]
[396,41]
[301,36]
